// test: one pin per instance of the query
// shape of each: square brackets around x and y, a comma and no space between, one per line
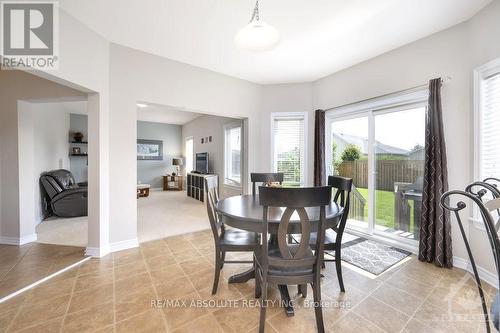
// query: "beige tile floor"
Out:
[115,294]
[23,265]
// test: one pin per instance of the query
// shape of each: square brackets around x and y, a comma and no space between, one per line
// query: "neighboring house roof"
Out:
[381,149]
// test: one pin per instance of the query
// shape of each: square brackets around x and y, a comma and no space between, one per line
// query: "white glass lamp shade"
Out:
[257,36]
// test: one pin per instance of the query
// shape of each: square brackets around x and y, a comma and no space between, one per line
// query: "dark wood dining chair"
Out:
[257,177]
[286,263]
[333,240]
[226,240]
[342,187]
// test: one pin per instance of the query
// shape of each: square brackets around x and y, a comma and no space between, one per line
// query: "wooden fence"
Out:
[388,172]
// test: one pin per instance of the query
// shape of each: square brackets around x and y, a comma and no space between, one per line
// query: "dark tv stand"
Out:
[196,185]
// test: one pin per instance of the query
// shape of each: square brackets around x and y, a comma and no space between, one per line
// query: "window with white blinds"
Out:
[489,126]
[232,154]
[289,149]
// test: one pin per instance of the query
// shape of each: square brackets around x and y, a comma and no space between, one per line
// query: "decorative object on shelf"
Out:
[149,149]
[257,35]
[78,136]
[172,182]
[202,140]
[76,150]
[210,138]
[178,163]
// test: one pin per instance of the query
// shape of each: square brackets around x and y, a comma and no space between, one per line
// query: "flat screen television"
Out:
[202,163]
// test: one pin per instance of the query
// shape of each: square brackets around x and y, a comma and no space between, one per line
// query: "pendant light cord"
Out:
[255,15]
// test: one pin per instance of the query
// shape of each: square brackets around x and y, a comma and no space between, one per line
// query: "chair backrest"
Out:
[342,197]
[481,189]
[295,200]
[487,219]
[212,198]
[256,177]
[57,181]
[492,180]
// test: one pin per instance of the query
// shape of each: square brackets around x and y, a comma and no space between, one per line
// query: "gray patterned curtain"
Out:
[435,229]
[319,148]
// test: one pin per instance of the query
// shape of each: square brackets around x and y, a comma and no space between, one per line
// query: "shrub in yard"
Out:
[351,153]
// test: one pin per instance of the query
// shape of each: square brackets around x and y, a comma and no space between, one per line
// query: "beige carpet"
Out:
[169,213]
[162,214]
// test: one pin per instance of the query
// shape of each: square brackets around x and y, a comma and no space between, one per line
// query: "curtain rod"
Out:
[444,80]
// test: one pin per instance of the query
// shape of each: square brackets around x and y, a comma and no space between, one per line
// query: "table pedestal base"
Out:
[283,289]
[243,277]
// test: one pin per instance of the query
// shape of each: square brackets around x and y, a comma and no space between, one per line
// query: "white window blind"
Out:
[289,148]
[233,155]
[490,126]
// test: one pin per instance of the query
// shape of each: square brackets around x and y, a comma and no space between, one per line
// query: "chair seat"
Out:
[274,253]
[239,239]
[330,237]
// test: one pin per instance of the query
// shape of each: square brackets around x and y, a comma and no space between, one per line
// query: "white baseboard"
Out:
[124,245]
[17,240]
[96,252]
[484,274]
[99,252]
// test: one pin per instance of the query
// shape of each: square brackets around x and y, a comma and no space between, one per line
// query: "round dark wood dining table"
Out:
[245,212]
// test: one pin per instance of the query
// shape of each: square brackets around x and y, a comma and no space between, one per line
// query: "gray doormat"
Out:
[371,256]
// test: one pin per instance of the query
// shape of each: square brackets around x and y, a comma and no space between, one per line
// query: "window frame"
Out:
[480,73]
[395,102]
[229,182]
[291,115]
[186,139]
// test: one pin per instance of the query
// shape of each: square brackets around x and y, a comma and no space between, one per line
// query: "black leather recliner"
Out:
[62,195]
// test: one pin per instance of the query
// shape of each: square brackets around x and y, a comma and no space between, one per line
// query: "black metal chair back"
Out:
[257,177]
[482,189]
[489,225]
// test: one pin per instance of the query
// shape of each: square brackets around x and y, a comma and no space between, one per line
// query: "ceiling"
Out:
[318,37]
[164,114]
[153,113]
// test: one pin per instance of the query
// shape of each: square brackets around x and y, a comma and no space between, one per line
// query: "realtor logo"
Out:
[28,35]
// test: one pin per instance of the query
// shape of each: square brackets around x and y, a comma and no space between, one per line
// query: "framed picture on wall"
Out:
[149,149]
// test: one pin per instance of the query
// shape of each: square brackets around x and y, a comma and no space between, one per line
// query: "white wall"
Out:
[203,127]
[137,76]
[287,98]
[16,86]
[454,52]
[43,146]
[51,147]
[84,64]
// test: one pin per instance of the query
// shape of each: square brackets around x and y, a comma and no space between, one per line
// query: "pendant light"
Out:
[257,35]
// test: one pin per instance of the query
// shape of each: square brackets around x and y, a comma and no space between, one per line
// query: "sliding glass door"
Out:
[381,147]
[399,168]
[349,158]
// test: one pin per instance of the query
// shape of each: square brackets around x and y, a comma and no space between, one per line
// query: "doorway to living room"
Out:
[175,150]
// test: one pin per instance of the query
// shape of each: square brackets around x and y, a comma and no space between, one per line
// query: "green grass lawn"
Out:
[384,210]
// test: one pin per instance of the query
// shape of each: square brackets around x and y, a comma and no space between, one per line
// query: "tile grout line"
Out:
[154,287]
[69,303]
[209,313]
[370,294]
[36,283]
[420,306]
